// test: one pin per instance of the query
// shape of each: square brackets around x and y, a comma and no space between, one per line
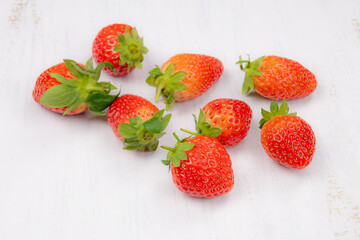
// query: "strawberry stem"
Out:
[131,48]
[85,88]
[251,70]
[158,91]
[190,132]
[275,110]
[166,83]
[169,148]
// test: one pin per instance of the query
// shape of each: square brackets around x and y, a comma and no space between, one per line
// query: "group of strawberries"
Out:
[200,165]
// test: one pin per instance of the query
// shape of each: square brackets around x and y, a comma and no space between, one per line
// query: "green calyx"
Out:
[131,48]
[85,88]
[166,83]
[251,69]
[177,154]
[144,135]
[203,128]
[275,111]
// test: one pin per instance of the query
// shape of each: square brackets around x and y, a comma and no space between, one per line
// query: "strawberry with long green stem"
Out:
[71,88]
[277,78]
[184,77]
[226,119]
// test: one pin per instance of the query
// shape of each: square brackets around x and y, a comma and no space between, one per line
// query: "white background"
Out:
[69,178]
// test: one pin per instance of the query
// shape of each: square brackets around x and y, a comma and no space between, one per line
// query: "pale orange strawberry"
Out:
[277,78]
[184,77]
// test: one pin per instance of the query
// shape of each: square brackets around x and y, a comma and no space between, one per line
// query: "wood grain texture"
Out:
[68,177]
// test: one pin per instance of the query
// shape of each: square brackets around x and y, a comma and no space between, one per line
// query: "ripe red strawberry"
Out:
[228,120]
[200,167]
[184,76]
[287,138]
[69,88]
[137,122]
[277,78]
[120,45]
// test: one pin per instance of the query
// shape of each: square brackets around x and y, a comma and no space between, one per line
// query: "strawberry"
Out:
[184,76]
[120,45]
[287,138]
[277,78]
[226,119]
[70,88]
[137,122]
[200,166]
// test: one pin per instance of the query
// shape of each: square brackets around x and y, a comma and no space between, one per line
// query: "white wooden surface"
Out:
[69,178]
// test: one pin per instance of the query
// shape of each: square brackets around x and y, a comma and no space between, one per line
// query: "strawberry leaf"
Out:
[97,112]
[100,66]
[185,146]
[165,121]
[170,100]
[178,76]
[169,70]
[151,81]
[251,70]
[131,49]
[107,86]
[153,125]
[275,111]
[203,128]
[121,39]
[179,86]
[134,33]
[63,80]
[153,145]
[144,135]
[177,154]
[71,93]
[274,107]
[70,64]
[132,146]
[166,162]
[72,106]
[89,64]
[136,121]
[127,130]
[138,65]
[99,101]
[159,113]
[156,71]
[59,96]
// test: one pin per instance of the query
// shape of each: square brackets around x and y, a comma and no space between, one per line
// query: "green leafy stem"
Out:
[144,135]
[166,83]
[84,88]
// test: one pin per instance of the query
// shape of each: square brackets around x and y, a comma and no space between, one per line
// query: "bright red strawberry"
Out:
[200,167]
[277,78]
[120,45]
[226,119]
[70,88]
[137,122]
[184,76]
[287,138]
